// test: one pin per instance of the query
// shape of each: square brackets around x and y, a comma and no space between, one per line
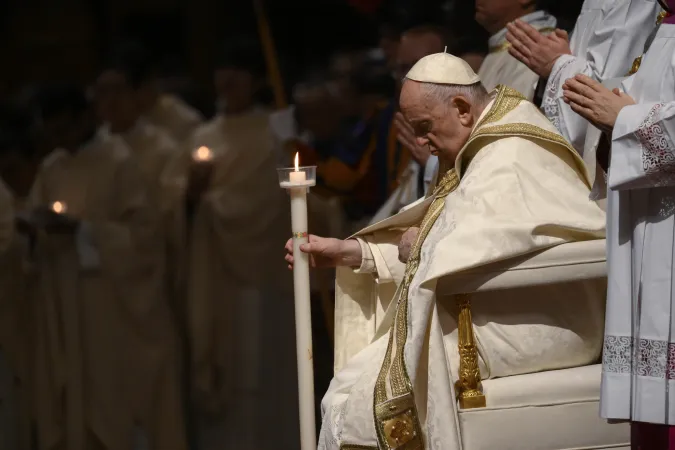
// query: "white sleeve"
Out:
[571,125]
[85,244]
[643,154]
[367,261]
[380,256]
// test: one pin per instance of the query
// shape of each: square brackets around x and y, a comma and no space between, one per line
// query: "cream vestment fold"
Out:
[517,187]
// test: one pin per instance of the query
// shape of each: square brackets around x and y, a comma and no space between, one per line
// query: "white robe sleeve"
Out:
[643,153]
[571,125]
[380,256]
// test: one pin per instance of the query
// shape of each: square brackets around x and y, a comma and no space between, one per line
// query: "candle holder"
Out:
[297,181]
[300,177]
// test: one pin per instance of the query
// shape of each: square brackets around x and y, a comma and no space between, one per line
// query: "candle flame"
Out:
[297,162]
[202,154]
[59,207]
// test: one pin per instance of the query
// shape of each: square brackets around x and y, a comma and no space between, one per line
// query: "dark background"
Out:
[46,40]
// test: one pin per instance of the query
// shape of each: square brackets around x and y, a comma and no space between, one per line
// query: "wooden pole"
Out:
[270,55]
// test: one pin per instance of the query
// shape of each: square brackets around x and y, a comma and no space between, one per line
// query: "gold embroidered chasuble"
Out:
[392,389]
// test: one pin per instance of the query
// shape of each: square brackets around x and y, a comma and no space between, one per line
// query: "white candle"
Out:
[303,314]
[59,207]
[298,176]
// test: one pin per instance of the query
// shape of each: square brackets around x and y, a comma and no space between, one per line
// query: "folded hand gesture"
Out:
[594,102]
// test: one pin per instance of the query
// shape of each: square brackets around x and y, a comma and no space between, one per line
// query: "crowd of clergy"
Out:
[145,303]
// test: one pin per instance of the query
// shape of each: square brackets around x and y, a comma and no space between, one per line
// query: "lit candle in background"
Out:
[59,207]
[202,154]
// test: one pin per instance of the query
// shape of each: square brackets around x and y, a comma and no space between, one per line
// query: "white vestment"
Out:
[500,209]
[499,67]
[408,190]
[94,290]
[607,37]
[239,297]
[639,350]
[175,116]
[155,370]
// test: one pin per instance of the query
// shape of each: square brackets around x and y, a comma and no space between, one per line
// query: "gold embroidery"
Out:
[402,429]
[636,65]
[468,386]
[522,130]
[662,15]
[399,428]
[505,45]
[398,425]
[357,447]
[396,420]
[506,101]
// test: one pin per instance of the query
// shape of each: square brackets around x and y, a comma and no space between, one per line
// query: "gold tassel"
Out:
[469,388]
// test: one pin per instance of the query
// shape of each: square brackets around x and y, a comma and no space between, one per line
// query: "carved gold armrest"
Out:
[469,388]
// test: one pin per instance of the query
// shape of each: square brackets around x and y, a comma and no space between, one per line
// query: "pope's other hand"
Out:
[407,241]
[405,134]
[327,252]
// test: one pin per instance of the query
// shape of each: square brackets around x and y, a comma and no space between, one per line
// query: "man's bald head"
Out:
[418,42]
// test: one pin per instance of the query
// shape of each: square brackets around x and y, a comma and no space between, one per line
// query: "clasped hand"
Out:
[594,102]
[537,51]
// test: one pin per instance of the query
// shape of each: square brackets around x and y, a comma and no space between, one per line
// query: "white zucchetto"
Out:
[443,68]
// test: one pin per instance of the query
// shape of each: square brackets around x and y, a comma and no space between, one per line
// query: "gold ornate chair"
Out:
[552,410]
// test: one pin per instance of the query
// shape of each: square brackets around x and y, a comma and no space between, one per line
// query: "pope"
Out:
[513,186]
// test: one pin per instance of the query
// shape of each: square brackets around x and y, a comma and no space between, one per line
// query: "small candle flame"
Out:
[202,154]
[297,162]
[59,207]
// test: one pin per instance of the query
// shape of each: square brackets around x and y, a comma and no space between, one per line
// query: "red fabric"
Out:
[366,6]
[649,436]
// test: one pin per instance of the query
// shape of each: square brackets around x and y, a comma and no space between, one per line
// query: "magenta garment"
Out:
[670,7]
[649,436]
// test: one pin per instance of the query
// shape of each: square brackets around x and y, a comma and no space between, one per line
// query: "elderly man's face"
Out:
[443,126]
